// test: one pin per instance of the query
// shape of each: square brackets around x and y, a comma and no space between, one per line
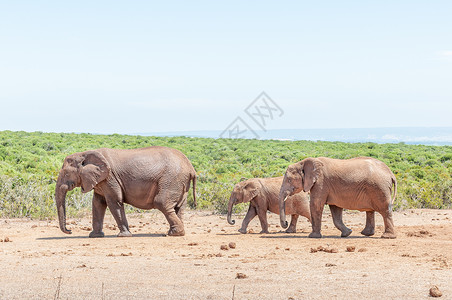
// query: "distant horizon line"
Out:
[415,135]
[317,128]
[220,130]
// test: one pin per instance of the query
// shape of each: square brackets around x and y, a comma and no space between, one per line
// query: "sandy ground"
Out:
[40,262]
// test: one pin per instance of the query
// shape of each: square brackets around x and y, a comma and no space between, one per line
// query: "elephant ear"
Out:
[310,172]
[249,192]
[93,169]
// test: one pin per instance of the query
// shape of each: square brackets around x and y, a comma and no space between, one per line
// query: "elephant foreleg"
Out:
[293,225]
[369,230]
[336,213]
[249,216]
[99,207]
[117,210]
[262,214]
[316,206]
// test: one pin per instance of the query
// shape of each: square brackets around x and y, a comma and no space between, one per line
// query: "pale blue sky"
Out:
[148,66]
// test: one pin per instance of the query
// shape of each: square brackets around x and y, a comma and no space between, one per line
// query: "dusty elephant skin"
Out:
[262,193]
[362,183]
[153,177]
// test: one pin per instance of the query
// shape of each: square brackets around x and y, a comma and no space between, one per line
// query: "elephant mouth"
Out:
[70,185]
[296,191]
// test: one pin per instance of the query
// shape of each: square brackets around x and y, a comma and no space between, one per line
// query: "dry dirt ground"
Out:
[40,262]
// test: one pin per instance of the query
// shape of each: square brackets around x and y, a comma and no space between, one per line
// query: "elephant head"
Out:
[243,192]
[85,170]
[299,176]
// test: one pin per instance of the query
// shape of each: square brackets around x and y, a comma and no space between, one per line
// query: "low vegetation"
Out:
[30,162]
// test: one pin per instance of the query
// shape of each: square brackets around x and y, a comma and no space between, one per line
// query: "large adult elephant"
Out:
[153,177]
[262,194]
[362,183]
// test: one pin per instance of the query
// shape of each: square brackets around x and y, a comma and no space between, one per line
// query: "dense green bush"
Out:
[30,162]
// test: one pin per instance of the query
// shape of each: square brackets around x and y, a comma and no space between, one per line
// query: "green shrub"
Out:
[30,162]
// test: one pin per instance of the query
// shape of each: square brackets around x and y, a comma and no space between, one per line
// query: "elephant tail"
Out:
[194,189]
[394,182]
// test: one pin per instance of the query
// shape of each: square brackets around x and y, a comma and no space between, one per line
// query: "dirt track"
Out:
[40,262]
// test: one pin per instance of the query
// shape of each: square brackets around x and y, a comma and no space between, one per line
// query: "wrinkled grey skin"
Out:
[361,183]
[262,194]
[153,177]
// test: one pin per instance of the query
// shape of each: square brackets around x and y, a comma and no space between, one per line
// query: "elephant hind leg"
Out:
[176,225]
[389,225]
[293,225]
[180,208]
[369,230]
[336,213]
[166,203]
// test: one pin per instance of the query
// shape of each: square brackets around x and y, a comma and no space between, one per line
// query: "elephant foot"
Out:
[315,235]
[388,235]
[291,230]
[124,234]
[346,232]
[263,231]
[242,231]
[175,232]
[368,232]
[93,234]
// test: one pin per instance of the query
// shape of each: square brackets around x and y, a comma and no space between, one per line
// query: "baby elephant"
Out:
[262,193]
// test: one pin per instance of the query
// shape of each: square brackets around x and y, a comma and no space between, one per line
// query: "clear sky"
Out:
[149,66]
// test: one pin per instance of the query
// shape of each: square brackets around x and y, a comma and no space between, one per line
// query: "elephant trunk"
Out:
[60,200]
[282,207]
[230,205]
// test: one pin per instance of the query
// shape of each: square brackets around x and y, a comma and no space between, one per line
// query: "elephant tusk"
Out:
[286,198]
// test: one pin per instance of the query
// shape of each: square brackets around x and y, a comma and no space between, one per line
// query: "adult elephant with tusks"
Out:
[362,183]
[152,177]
